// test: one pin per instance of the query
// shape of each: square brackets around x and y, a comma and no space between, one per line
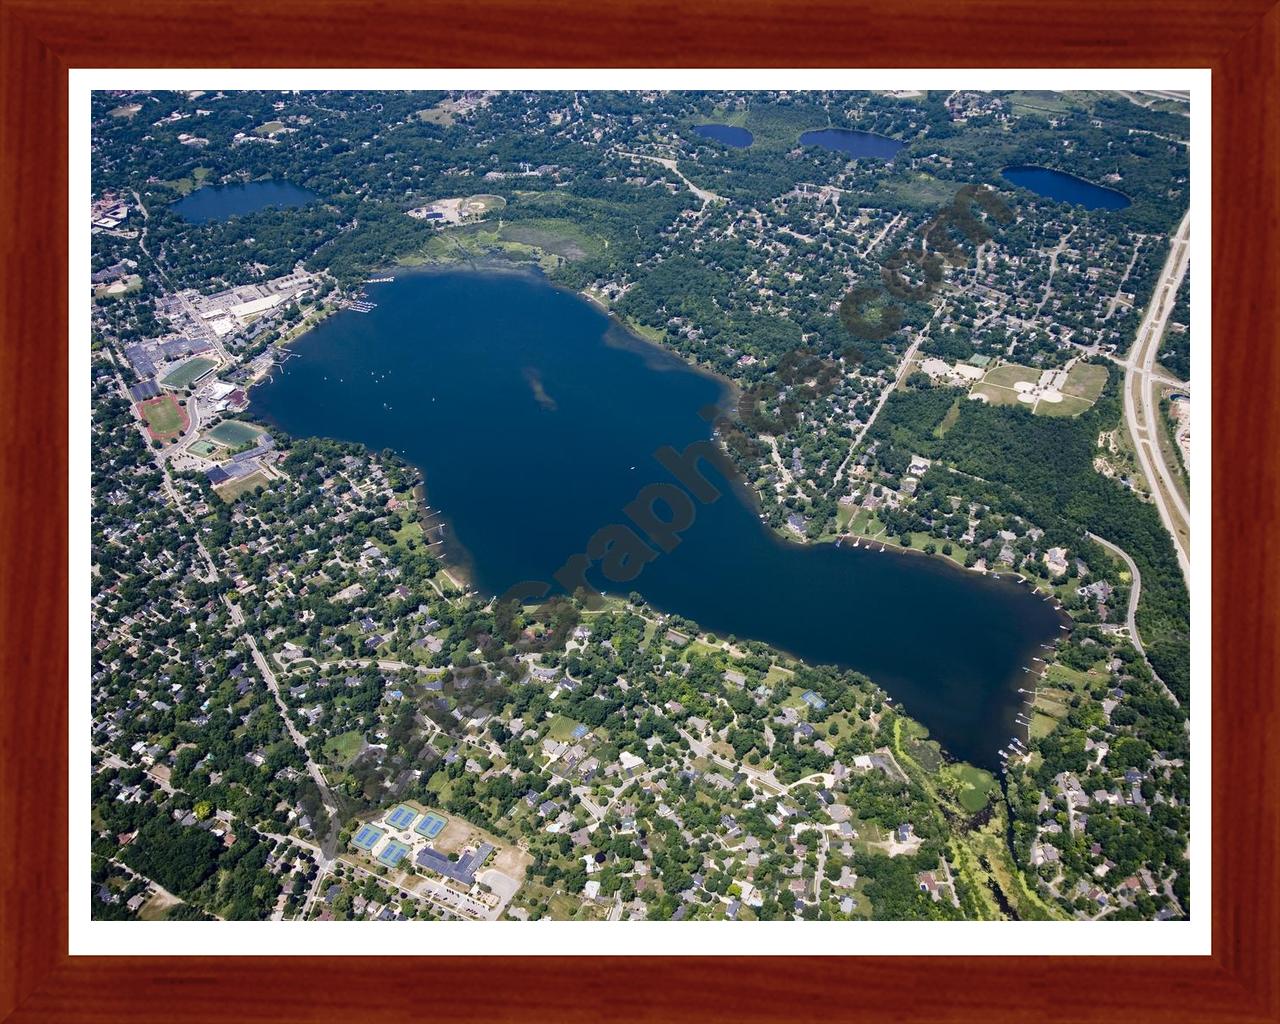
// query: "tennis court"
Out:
[402,816]
[393,853]
[431,825]
[203,448]
[367,837]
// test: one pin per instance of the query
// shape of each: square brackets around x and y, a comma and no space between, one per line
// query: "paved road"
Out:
[1141,412]
[670,165]
[898,378]
[1131,618]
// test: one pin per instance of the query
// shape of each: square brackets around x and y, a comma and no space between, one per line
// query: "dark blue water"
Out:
[217,202]
[856,144]
[535,420]
[738,138]
[1065,188]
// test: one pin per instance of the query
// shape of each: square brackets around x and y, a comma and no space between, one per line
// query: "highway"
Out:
[1141,407]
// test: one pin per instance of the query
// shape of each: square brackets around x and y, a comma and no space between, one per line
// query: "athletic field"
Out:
[234,433]
[165,418]
[189,372]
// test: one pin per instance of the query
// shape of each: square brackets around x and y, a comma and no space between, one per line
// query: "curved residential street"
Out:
[1142,409]
[1131,616]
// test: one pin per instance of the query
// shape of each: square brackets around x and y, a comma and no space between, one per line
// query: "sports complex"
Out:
[404,831]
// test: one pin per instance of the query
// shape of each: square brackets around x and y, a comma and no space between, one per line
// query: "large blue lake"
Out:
[1065,188]
[854,143]
[730,135]
[536,419]
[217,202]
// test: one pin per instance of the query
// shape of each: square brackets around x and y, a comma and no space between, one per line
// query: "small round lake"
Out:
[218,202]
[857,144]
[536,419]
[738,138]
[1065,188]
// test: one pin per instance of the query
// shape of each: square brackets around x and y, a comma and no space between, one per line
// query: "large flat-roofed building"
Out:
[461,870]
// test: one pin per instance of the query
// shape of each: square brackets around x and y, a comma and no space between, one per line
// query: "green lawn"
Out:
[189,372]
[1067,407]
[233,489]
[270,128]
[1009,374]
[561,728]
[1085,380]
[234,433]
[164,417]
[996,395]
[343,747]
[975,787]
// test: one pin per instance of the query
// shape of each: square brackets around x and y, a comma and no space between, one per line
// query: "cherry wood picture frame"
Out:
[41,39]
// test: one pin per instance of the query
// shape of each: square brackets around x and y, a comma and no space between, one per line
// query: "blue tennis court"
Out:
[431,825]
[402,816]
[393,853]
[367,837]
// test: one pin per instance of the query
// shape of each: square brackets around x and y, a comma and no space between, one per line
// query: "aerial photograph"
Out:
[639,506]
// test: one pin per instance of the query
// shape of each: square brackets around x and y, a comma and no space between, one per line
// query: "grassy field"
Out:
[975,787]
[126,110]
[996,395]
[1009,374]
[189,372]
[233,489]
[483,203]
[1086,381]
[949,420]
[234,433]
[441,114]
[1067,407]
[127,285]
[343,747]
[554,235]
[185,186]
[164,417]
[561,728]
[270,128]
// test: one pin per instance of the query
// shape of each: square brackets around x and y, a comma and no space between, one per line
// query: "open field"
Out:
[1086,380]
[270,128]
[1009,374]
[483,203]
[189,372]
[165,418]
[157,908]
[234,433]
[561,237]
[975,787]
[1067,407]
[126,110]
[1004,384]
[233,489]
[343,747]
[185,186]
[996,395]
[127,285]
[561,728]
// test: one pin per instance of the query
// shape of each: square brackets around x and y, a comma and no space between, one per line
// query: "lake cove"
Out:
[854,143]
[218,202]
[738,138]
[535,420]
[1065,188]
